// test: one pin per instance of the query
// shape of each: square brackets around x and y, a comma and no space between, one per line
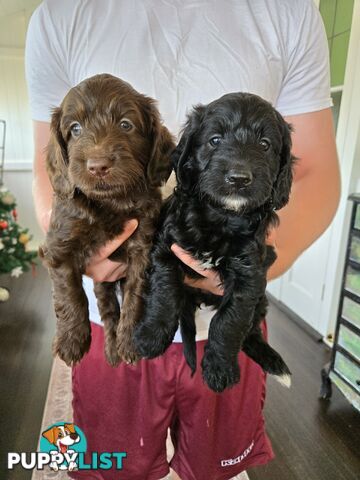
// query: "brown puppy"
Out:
[107,156]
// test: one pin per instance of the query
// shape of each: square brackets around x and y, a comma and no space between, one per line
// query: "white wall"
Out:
[13,28]
[14,108]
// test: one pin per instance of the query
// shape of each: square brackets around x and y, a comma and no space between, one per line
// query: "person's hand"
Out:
[100,268]
[211,281]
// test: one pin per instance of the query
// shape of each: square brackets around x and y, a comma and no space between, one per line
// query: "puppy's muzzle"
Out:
[98,167]
[239,179]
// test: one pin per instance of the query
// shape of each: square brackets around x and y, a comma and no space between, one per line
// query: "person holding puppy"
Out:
[182,54]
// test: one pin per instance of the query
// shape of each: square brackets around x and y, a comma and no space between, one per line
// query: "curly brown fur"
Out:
[234,168]
[107,156]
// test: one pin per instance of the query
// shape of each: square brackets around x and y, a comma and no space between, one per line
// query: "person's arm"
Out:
[42,189]
[313,201]
[100,269]
[316,188]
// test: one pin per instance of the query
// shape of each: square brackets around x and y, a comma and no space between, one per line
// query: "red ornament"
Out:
[14,213]
[3,224]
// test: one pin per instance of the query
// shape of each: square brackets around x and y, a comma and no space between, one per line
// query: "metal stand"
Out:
[326,387]
[344,368]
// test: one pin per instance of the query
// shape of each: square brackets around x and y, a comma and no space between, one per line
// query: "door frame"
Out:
[348,146]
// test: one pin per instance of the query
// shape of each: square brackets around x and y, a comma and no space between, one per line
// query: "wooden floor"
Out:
[26,329]
[312,440]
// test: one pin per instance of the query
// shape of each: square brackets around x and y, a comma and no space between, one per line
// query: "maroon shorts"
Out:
[130,408]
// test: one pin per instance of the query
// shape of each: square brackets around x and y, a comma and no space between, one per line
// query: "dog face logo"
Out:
[63,448]
[64,441]
[62,436]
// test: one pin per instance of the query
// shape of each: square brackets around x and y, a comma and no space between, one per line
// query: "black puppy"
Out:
[234,169]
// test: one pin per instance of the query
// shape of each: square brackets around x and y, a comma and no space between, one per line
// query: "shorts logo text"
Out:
[240,458]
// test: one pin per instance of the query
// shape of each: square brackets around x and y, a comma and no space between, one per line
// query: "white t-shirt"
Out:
[180,52]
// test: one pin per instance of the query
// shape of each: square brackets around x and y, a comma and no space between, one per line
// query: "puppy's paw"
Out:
[268,359]
[219,372]
[72,467]
[151,344]
[273,364]
[111,352]
[54,466]
[125,346]
[72,345]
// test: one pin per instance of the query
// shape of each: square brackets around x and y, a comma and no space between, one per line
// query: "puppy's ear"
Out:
[70,426]
[282,186]
[57,160]
[182,160]
[159,166]
[50,435]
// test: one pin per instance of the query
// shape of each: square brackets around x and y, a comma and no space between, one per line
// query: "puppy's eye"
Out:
[126,125]
[265,143]
[60,435]
[215,141]
[75,129]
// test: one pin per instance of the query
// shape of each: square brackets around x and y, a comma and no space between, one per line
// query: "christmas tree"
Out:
[15,258]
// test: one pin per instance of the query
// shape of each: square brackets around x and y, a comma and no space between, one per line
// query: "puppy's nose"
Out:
[98,166]
[74,436]
[239,179]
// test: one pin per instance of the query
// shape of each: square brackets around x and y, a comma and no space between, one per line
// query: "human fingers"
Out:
[191,262]
[208,284]
[106,250]
[106,271]
[211,281]
[100,268]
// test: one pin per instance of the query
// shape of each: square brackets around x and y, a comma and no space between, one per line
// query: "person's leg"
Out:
[127,408]
[174,475]
[218,436]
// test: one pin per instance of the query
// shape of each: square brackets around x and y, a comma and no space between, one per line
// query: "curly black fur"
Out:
[234,169]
